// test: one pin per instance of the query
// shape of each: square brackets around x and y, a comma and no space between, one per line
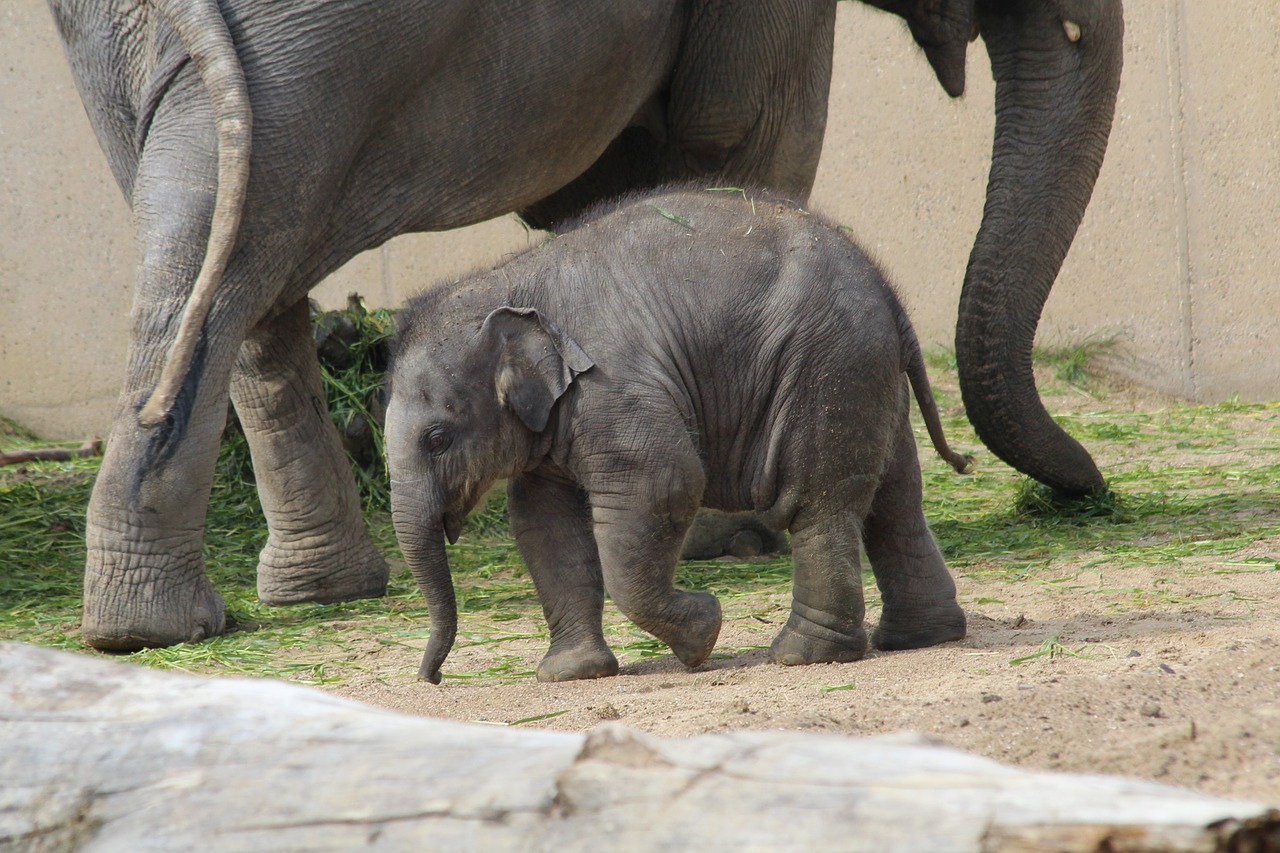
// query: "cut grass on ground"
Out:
[1200,514]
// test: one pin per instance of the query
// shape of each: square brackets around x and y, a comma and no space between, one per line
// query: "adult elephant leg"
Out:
[1057,69]
[318,548]
[145,583]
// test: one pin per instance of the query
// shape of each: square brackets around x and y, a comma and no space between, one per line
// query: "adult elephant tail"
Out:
[204,34]
[1057,70]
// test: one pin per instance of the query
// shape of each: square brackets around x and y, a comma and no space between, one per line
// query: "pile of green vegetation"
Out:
[352,345]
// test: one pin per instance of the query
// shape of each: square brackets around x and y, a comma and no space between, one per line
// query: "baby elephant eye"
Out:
[436,441]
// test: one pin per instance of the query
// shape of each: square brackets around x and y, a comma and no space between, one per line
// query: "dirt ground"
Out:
[1182,687]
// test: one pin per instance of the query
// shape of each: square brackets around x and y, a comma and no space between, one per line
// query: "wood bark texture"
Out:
[91,447]
[101,755]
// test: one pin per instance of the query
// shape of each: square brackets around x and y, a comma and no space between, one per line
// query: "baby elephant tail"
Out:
[913,360]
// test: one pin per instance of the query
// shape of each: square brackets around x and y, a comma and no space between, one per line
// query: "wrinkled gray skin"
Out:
[636,368]
[263,143]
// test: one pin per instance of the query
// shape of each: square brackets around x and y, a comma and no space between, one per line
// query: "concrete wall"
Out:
[1179,253]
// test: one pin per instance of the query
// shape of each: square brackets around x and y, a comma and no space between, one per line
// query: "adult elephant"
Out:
[263,143]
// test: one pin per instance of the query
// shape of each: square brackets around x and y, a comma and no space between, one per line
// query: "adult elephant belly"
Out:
[461,114]
[487,137]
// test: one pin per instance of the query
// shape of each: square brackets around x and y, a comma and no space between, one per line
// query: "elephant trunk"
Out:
[1057,73]
[419,526]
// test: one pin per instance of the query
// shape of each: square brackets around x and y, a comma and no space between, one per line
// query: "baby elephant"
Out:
[681,349]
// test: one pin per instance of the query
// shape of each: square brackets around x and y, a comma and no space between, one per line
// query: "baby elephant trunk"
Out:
[420,530]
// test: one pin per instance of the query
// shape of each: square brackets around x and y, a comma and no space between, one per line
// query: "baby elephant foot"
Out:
[576,663]
[693,634]
[803,641]
[941,625]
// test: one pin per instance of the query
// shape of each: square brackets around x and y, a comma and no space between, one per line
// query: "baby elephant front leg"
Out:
[827,607]
[639,549]
[552,525]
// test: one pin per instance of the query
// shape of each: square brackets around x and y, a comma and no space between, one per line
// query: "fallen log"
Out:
[91,447]
[103,755]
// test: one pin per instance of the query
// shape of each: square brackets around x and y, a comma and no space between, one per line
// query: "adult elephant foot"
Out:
[171,612]
[147,597]
[292,573]
[318,548]
[736,534]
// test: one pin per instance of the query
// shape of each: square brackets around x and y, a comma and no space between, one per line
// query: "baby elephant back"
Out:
[737,277]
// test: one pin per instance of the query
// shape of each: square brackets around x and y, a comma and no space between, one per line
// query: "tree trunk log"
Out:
[108,756]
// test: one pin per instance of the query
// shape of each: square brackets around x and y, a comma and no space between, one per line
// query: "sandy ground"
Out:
[1185,693]
[1167,672]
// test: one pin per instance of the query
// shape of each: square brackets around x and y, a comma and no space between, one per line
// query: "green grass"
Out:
[1202,514]
[352,392]
[1077,364]
[1053,648]
[42,543]
[1152,512]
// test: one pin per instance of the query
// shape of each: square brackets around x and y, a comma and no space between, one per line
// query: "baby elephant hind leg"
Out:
[920,607]
[552,525]
[827,606]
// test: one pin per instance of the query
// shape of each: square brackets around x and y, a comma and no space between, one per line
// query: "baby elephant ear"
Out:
[537,362]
